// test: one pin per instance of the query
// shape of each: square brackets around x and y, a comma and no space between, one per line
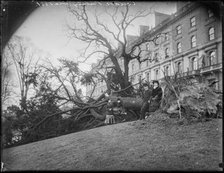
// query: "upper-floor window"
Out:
[139,78]
[147,76]
[132,67]
[210,13]
[156,74]
[147,63]
[133,78]
[194,63]
[166,52]
[139,65]
[193,41]
[179,30]
[166,36]
[156,57]
[212,57]
[193,21]
[147,46]
[166,70]
[211,33]
[179,68]
[179,48]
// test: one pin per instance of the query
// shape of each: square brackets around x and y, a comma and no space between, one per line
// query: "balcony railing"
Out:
[211,67]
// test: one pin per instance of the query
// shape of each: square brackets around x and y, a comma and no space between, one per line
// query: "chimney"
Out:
[160,17]
[181,4]
[143,29]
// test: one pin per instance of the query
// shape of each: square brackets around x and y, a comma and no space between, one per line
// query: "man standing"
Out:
[156,97]
[146,97]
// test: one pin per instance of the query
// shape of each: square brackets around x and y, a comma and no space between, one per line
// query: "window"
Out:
[139,78]
[156,74]
[193,21]
[193,41]
[179,67]
[166,70]
[147,46]
[211,33]
[139,65]
[194,63]
[147,76]
[133,78]
[166,52]
[210,13]
[147,63]
[212,57]
[156,57]
[179,48]
[179,29]
[166,36]
[132,67]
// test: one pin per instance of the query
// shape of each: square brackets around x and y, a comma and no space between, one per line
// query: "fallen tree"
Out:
[90,114]
[181,97]
[190,99]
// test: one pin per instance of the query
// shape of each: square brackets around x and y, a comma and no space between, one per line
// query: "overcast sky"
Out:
[47,30]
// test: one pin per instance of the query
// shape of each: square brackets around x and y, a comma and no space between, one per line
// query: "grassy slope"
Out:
[154,144]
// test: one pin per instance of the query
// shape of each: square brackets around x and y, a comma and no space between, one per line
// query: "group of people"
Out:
[151,99]
[151,96]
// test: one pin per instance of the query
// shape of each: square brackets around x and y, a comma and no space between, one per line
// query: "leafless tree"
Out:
[89,28]
[6,81]
[26,66]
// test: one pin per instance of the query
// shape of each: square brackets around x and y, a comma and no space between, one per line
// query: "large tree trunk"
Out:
[129,102]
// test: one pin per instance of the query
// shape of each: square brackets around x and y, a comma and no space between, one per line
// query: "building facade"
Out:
[190,45]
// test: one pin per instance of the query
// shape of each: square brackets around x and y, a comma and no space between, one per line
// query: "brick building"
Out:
[190,45]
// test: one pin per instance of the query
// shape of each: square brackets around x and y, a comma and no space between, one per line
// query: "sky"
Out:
[46,27]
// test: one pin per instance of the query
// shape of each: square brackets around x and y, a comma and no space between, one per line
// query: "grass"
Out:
[158,143]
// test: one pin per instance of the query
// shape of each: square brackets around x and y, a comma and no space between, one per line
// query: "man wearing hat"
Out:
[156,97]
[146,98]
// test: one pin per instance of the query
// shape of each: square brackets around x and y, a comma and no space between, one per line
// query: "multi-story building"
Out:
[190,45]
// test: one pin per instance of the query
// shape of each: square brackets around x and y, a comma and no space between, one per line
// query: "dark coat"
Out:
[155,99]
[157,94]
[146,95]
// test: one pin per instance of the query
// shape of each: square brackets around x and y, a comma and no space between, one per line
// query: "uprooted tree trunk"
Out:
[189,99]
